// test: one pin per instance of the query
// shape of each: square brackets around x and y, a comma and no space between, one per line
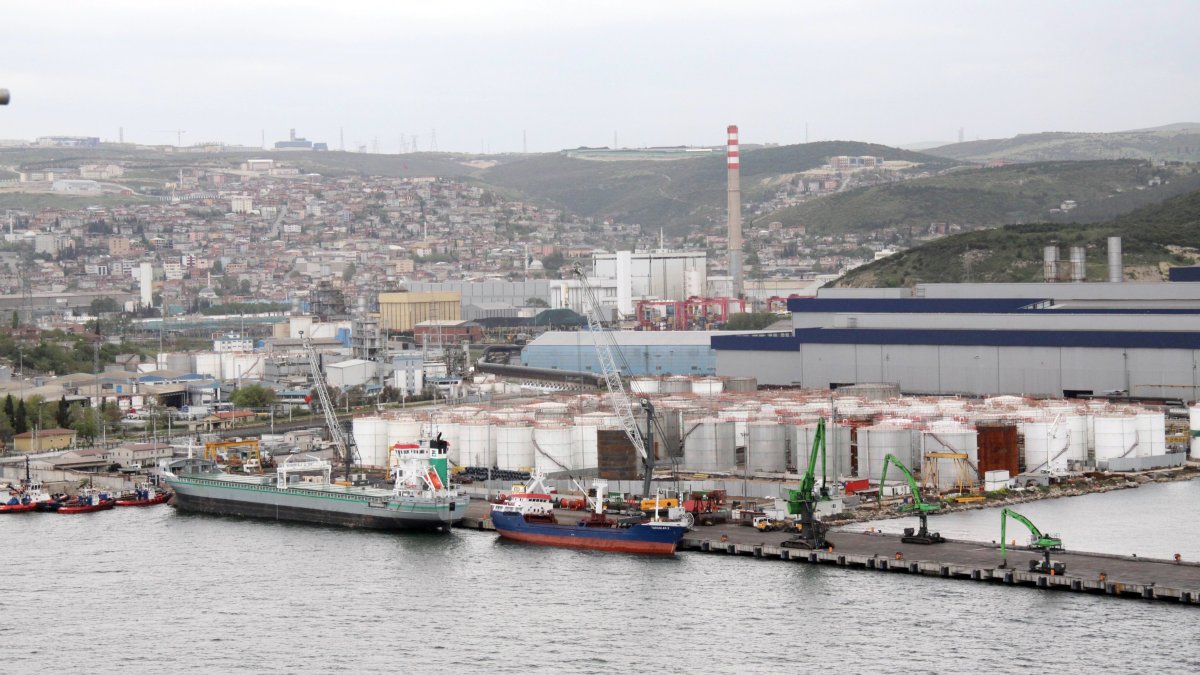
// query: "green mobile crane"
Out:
[922,535]
[803,502]
[1045,542]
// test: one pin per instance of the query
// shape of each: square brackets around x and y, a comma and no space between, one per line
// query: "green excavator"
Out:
[922,509]
[1045,542]
[803,502]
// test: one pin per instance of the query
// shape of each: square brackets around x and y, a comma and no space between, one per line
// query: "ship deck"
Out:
[266,481]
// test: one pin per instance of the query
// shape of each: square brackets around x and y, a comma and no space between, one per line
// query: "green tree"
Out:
[751,321]
[348,273]
[536,302]
[85,422]
[62,416]
[16,320]
[552,262]
[100,305]
[9,411]
[253,396]
[20,423]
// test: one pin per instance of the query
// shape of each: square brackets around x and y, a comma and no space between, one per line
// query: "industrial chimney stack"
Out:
[1116,271]
[734,195]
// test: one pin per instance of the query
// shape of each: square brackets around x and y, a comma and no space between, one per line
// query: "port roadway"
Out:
[1096,573]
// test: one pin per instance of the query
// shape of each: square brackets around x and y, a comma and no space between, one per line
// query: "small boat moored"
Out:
[144,494]
[89,499]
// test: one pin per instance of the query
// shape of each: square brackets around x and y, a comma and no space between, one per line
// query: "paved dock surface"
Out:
[1123,576]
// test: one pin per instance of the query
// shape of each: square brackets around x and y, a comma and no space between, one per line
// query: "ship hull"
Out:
[18,508]
[645,538]
[88,508]
[301,506]
[157,499]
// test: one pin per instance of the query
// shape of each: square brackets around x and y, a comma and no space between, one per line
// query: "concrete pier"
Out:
[1097,573]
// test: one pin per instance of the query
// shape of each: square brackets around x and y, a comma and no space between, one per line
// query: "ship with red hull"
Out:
[88,500]
[144,495]
[529,517]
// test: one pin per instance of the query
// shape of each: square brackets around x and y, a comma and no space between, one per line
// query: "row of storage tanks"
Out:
[776,431]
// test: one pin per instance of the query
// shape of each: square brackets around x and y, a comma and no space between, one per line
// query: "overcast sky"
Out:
[570,73]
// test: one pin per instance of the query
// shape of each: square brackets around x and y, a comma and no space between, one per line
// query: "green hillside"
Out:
[1153,238]
[1176,142]
[672,194]
[988,197]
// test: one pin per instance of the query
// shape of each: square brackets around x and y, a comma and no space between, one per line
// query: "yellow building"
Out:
[47,439]
[402,311]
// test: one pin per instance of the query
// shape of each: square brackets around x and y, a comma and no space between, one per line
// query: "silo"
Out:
[1116,436]
[676,384]
[1194,431]
[1116,271]
[872,391]
[475,444]
[584,448]
[1151,434]
[514,446]
[741,385]
[552,448]
[1077,445]
[710,445]
[403,430]
[644,385]
[1078,263]
[876,442]
[370,438]
[837,448]
[766,449]
[1050,264]
[707,386]
[550,411]
[1046,445]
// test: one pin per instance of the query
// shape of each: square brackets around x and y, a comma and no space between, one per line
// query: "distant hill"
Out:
[1153,238]
[990,197]
[673,194]
[1172,142]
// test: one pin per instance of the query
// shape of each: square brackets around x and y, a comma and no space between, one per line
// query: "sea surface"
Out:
[152,590]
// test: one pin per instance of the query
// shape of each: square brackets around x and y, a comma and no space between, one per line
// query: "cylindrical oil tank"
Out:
[1077,438]
[676,384]
[1194,431]
[766,448]
[403,430]
[550,411]
[475,444]
[1046,445]
[876,442]
[552,448]
[644,385]
[708,386]
[951,438]
[1151,434]
[710,445]
[599,419]
[1116,436]
[371,440]
[514,446]
[998,447]
[837,447]
[584,447]
[448,428]
[872,391]
[741,385]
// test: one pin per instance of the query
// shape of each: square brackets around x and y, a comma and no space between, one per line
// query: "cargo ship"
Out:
[421,496]
[529,517]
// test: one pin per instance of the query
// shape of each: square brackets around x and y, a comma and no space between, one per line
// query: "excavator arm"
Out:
[1042,541]
[918,505]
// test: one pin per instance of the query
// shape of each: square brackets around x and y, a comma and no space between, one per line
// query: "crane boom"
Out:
[336,434]
[1043,541]
[621,403]
[917,504]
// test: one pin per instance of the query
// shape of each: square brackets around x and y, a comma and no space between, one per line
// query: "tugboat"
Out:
[18,502]
[88,500]
[144,494]
[30,496]
[529,516]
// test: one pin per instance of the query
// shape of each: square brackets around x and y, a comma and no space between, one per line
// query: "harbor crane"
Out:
[343,443]
[803,501]
[1045,542]
[606,345]
[922,509]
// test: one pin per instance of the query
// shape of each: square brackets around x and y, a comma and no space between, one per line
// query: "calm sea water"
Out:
[151,590]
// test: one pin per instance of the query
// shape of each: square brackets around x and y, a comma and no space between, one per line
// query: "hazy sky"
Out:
[570,73]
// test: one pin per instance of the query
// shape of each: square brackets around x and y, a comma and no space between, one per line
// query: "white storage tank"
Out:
[1116,436]
[707,386]
[676,384]
[1151,434]
[475,444]
[644,385]
[371,440]
[585,449]
[741,385]
[1046,446]
[710,445]
[876,442]
[1194,431]
[1078,438]
[514,446]
[951,438]
[403,430]
[550,411]
[766,448]
[552,448]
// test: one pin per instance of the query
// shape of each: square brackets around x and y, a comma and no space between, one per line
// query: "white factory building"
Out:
[651,275]
[1037,339]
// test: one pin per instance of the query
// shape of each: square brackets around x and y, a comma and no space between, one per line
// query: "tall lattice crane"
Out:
[606,344]
[343,443]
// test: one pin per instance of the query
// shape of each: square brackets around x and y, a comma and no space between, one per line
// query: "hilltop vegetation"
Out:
[989,197]
[1153,238]
[1176,142]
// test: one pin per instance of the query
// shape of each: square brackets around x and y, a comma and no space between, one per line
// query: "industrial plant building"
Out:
[645,352]
[1037,339]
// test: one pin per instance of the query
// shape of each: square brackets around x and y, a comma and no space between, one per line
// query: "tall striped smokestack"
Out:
[734,197]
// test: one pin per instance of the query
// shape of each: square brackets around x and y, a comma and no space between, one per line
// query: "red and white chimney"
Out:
[734,205]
